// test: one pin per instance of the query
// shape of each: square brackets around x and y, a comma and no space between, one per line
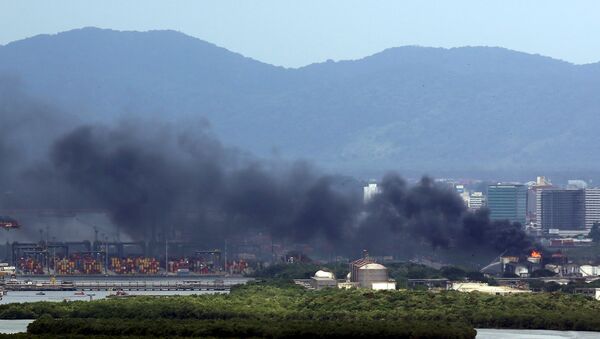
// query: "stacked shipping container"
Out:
[77,264]
[30,266]
[141,265]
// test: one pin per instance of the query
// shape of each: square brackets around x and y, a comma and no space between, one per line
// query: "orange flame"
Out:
[536,254]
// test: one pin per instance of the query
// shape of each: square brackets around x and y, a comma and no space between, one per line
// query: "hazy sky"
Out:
[294,33]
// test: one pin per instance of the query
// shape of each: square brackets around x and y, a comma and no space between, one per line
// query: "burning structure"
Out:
[556,263]
[521,266]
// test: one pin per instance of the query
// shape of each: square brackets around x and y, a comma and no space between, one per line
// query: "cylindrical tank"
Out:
[370,273]
[521,270]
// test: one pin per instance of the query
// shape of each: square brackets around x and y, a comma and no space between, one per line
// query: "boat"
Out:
[28,285]
[118,294]
[40,293]
[79,293]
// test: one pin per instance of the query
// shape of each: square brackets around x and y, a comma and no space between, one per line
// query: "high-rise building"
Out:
[563,209]
[463,193]
[507,202]
[576,184]
[476,200]
[370,191]
[534,200]
[592,207]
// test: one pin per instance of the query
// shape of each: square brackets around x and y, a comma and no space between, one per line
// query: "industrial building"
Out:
[366,273]
[507,202]
[521,266]
[524,266]
[323,279]
[485,288]
[589,292]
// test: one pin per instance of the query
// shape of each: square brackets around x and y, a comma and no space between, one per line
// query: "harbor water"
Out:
[14,326]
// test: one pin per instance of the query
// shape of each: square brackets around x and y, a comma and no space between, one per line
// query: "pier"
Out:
[119,285]
[152,286]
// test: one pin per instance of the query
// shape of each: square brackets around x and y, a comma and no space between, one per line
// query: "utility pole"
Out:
[225,265]
[106,254]
[166,255]
[53,256]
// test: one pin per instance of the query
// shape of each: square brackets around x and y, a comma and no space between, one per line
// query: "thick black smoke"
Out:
[150,180]
[438,216]
[156,180]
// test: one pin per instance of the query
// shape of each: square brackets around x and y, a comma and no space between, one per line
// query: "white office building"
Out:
[536,190]
[370,191]
[476,200]
[592,206]
[464,194]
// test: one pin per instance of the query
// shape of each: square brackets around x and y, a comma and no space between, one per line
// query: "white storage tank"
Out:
[372,273]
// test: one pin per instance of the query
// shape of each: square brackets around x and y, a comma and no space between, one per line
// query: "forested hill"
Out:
[407,108]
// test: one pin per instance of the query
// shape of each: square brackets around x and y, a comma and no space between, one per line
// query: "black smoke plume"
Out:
[157,180]
[150,181]
[438,215]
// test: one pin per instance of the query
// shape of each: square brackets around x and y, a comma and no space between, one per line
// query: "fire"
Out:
[536,254]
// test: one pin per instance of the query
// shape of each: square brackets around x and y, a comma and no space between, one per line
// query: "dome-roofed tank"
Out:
[324,275]
[373,266]
[323,279]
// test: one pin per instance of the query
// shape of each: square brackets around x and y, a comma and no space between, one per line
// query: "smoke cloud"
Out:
[155,180]
[148,180]
[438,216]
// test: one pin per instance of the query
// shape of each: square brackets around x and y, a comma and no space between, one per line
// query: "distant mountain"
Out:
[407,108]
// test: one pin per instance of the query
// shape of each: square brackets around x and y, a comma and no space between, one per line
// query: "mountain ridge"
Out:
[172,31]
[407,108]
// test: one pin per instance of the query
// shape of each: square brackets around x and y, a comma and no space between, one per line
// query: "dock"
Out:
[151,286]
[119,285]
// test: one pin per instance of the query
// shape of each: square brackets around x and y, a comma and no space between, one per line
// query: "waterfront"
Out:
[57,296]
[134,278]
[29,296]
